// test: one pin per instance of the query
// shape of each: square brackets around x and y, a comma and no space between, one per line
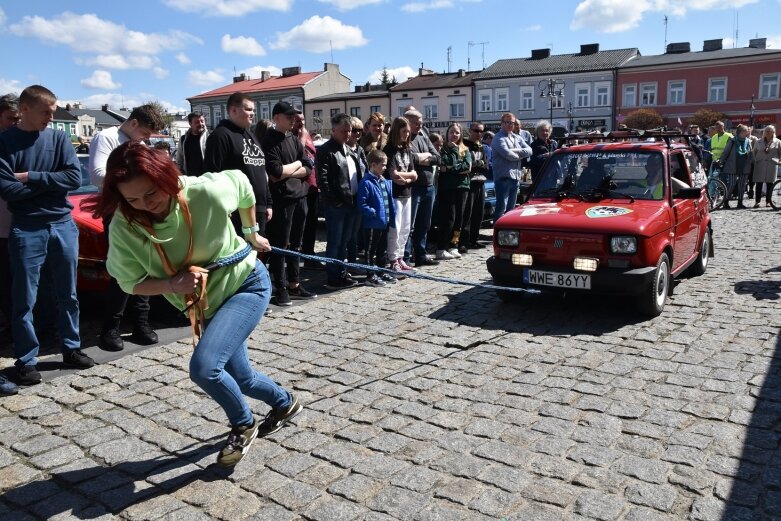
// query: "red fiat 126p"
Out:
[624,215]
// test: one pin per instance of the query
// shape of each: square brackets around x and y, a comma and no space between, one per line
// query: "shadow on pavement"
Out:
[570,314]
[115,487]
[759,289]
[755,491]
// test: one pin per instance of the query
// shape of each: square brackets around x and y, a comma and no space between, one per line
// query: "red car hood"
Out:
[646,218]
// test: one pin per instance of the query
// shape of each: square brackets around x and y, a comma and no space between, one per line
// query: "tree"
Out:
[384,76]
[644,119]
[706,118]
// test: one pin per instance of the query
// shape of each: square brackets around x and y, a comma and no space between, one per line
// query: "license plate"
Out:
[557,280]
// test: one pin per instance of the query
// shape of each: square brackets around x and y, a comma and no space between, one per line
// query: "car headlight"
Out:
[507,237]
[623,244]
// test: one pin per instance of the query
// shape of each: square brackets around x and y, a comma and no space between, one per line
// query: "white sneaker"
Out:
[454,253]
[443,255]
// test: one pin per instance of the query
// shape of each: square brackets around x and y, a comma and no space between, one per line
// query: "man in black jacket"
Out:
[192,146]
[233,147]
[475,201]
[288,169]
[337,177]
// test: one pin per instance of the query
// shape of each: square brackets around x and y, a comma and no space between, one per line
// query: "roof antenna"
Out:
[665,34]
[331,45]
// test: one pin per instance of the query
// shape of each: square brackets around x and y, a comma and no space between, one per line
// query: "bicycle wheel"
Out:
[775,196]
[717,193]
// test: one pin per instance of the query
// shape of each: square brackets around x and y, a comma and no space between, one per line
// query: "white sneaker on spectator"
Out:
[454,253]
[443,255]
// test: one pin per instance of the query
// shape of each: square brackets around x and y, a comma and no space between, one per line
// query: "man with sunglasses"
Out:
[475,201]
[509,150]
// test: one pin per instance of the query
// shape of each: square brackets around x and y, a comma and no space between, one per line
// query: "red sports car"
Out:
[93,246]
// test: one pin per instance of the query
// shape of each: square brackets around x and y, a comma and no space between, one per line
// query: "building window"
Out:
[768,86]
[485,100]
[334,112]
[457,107]
[374,108]
[355,112]
[264,112]
[431,112]
[206,114]
[647,94]
[502,100]
[217,115]
[676,92]
[527,98]
[630,96]
[601,94]
[73,129]
[318,113]
[557,102]
[717,89]
[582,94]
[61,126]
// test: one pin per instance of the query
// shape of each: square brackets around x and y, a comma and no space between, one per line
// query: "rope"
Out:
[413,275]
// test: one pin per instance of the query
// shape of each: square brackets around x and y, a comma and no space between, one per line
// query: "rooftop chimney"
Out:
[265,75]
[240,77]
[331,67]
[758,43]
[290,71]
[539,54]
[589,48]
[712,45]
[104,108]
[461,73]
[678,48]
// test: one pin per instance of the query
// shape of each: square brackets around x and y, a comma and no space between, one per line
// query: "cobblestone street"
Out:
[428,401]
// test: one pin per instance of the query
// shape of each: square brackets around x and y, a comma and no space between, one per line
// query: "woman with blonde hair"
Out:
[373,137]
[767,157]
[452,192]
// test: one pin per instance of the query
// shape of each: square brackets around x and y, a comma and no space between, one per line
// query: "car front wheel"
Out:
[652,300]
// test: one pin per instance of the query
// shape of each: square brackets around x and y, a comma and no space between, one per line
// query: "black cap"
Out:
[283,107]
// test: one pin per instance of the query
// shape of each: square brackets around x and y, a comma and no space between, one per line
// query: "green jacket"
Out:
[454,171]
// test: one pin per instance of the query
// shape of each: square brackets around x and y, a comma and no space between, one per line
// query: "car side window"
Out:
[679,174]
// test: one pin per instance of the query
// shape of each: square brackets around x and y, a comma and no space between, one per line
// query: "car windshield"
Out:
[86,187]
[596,174]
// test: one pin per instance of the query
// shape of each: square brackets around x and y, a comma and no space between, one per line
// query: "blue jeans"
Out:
[506,195]
[29,248]
[422,206]
[220,364]
[339,228]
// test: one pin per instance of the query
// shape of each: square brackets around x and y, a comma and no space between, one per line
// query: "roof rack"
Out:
[627,134]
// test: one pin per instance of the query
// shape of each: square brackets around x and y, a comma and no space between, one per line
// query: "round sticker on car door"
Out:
[596,212]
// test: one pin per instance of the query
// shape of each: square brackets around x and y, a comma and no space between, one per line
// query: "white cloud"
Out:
[120,62]
[417,7]
[317,34]
[612,16]
[254,72]
[228,7]
[100,80]
[183,58]
[205,78]
[346,5]
[8,86]
[87,33]
[115,101]
[400,73]
[160,73]
[532,28]
[3,18]
[774,42]
[242,45]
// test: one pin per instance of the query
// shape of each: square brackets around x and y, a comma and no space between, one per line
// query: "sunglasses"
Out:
[479,131]
[357,130]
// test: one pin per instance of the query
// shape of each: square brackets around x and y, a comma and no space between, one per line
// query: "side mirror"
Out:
[689,193]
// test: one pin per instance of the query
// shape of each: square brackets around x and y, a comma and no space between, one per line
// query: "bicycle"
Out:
[775,195]
[717,190]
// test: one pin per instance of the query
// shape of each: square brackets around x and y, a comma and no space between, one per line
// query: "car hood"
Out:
[644,218]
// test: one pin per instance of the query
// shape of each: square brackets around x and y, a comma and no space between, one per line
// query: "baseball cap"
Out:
[283,107]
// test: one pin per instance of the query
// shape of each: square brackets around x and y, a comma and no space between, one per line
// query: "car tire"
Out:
[703,258]
[654,297]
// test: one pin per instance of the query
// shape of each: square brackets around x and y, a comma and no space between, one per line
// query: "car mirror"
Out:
[689,193]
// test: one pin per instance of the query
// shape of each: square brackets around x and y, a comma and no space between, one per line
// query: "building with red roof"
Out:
[293,86]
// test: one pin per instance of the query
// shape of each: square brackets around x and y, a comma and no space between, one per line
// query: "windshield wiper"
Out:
[559,193]
[607,192]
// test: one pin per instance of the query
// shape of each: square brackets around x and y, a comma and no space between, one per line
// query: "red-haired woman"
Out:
[154,241]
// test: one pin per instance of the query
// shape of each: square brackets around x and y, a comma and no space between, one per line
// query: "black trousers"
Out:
[450,214]
[286,230]
[375,241]
[310,225]
[473,213]
[758,192]
[117,300]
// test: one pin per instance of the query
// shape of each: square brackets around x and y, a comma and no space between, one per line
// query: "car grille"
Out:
[490,192]
[559,248]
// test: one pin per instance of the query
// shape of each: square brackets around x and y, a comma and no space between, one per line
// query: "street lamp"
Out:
[551,89]
[569,113]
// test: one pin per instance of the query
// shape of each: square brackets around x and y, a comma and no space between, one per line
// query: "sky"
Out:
[129,53]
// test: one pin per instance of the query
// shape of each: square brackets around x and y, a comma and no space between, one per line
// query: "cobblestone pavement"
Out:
[427,401]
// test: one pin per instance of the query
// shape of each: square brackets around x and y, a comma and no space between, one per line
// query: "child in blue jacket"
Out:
[375,199]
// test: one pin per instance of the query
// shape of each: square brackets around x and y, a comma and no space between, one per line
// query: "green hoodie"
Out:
[212,197]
